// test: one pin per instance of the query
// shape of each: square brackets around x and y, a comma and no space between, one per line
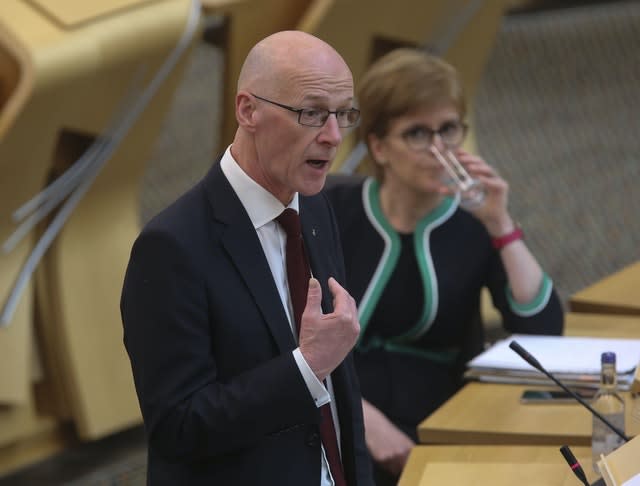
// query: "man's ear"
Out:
[246,110]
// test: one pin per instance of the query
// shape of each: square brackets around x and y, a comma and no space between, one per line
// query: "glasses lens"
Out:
[313,117]
[452,133]
[418,137]
[348,118]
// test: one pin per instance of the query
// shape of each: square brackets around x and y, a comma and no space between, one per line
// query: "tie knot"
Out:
[290,222]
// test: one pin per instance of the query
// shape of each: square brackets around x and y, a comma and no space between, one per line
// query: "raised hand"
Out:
[493,212]
[325,339]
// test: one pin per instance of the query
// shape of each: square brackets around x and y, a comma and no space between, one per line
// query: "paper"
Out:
[634,481]
[561,354]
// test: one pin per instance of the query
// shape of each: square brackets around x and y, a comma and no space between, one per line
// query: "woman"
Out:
[417,262]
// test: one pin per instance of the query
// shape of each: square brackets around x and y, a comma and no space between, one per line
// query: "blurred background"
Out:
[143,90]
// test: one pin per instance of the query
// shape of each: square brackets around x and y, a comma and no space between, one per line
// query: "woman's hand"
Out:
[493,211]
[389,446]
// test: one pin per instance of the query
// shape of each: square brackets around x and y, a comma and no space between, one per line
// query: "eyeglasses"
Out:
[420,137]
[317,117]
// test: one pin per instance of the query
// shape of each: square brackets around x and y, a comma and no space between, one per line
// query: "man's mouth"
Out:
[317,163]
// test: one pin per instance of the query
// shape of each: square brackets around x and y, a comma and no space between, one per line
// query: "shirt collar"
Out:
[261,206]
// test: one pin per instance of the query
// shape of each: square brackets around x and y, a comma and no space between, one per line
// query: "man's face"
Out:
[293,157]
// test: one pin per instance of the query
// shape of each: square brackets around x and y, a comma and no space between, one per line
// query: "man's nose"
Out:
[331,132]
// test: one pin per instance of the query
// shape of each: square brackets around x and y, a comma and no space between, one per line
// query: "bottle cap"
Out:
[608,357]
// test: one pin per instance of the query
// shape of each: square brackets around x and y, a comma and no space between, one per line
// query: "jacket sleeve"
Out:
[543,315]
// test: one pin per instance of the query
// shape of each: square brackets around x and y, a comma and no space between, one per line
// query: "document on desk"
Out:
[573,360]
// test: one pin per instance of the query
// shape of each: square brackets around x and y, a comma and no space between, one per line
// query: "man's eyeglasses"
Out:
[420,137]
[317,117]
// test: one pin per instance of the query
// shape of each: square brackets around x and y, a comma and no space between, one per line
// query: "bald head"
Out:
[271,61]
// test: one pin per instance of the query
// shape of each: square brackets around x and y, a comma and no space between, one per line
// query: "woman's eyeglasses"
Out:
[420,137]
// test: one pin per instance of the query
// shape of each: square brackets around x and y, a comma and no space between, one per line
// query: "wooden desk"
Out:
[483,413]
[602,325]
[617,294]
[486,413]
[551,469]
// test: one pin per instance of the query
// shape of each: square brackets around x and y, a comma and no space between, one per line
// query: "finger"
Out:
[314,299]
[341,298]
[335,287]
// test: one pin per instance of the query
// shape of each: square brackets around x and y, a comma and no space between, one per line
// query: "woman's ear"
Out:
[246,110]
[377,149]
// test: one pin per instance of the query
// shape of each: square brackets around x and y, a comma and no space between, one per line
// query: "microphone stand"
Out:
[534,362]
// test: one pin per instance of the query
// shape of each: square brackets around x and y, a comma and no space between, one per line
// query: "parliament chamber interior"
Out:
[110,109]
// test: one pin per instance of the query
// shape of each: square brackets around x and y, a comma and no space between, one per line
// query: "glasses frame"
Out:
[300,111]
[432,133]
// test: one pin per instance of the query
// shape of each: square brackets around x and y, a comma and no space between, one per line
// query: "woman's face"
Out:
[404,153]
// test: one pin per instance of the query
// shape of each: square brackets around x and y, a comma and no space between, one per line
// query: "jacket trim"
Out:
[389,260]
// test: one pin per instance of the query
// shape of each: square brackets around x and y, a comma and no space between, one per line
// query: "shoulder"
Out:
[345,195]
[179,216]
[192,209]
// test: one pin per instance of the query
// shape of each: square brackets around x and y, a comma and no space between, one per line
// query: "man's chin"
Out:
[311,187]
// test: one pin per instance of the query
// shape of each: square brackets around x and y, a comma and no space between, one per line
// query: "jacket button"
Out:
[313,439]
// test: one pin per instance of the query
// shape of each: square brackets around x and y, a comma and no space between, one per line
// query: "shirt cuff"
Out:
[318,392]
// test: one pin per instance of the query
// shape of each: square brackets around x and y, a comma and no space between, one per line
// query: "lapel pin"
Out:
[313,231]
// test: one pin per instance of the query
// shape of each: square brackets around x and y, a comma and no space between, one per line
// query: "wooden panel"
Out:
[602,325]
[81,79]
[16,77]
[70,13]
[483,413]
[616,294]
[477,459]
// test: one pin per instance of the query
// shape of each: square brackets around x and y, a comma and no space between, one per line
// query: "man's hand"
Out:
[325,339]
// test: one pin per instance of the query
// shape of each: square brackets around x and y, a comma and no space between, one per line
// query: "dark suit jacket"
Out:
[210,346]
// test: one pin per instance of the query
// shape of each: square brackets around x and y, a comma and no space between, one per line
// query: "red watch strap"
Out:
[502,241]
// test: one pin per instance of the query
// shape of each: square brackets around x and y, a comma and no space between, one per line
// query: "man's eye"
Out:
[311,113]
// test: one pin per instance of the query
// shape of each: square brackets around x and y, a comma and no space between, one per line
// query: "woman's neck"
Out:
[404,208]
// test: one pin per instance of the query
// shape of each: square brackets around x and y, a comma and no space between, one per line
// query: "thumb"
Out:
[314,298]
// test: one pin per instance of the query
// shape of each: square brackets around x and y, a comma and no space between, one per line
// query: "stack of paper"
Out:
[575,361]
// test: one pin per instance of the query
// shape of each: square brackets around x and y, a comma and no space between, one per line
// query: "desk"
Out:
[487,413]
[617,294]
[422,456]
[483,413]
[602,325]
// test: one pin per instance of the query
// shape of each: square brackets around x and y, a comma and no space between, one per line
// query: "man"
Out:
[229,393]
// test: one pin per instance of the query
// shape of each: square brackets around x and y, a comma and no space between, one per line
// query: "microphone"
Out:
[574,464]
[534,362]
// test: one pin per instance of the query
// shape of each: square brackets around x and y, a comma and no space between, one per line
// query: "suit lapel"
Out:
[241,242]
[317,247]
[318,238]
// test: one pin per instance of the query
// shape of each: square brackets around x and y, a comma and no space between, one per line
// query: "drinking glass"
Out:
[472,191]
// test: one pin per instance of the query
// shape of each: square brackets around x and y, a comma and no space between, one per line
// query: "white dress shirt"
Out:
[262,208]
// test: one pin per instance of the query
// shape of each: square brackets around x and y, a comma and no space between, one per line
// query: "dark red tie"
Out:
[298,275]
